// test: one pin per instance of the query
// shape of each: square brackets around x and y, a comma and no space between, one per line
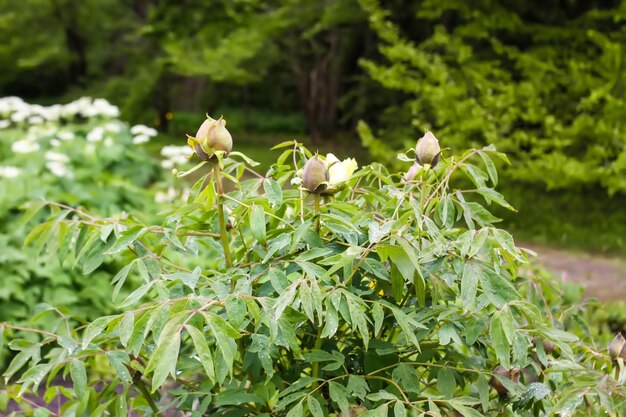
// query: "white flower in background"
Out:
[113,127]
[56,157]
[19,116]
[25,146]
[105,108]
[142,133]
[139,139]
[66,135]
[108,142]
[55,143]
[35,120]
[58,169]
[4,124]
[96,135]
[52,113]
[184,196]
[143,130]
[9,171]
[175,155]
[339,171]
[165,197]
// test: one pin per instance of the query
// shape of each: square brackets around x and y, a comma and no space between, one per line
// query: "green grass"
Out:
[586,219]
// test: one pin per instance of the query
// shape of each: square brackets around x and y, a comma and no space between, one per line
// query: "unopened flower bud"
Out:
[548,346]
[412,172]
[212,136]
[315,175]
[355,411]
[502,372]
[615,347]
[427,150]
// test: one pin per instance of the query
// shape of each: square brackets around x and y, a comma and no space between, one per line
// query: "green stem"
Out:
[315,368]
[316,199]
[217,176]
[146,394]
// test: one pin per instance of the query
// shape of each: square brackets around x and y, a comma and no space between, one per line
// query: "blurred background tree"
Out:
[543,80]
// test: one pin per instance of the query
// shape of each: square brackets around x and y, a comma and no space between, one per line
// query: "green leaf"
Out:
[499,340]
[79,378]
[406,375]
[491,168]
[273,191]
[95,329]
[136,295]
[399,410]
[118,361]
[257,223]
[121,409]
[126,327]
[469,282]
[314,406]
[446,383]
[163,359]
[339,394]
[296,411]
[357,386]
[190,279]
[126,238]
[203,350]
[464,410]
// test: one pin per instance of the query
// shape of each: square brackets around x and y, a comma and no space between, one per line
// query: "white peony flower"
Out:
[55,143]
[4,124]
[9,171]
[339,171]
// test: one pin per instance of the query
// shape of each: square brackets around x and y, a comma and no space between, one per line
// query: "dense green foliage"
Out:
[78,154]
[543,81]
[544,84]
[389,296]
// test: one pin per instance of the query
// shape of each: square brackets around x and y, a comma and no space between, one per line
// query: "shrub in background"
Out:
[80,155]
[349,293]
[546,87]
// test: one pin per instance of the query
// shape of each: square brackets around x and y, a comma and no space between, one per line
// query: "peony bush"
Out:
[313,289]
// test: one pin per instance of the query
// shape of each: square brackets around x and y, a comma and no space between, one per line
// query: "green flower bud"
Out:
[212,136]
[315,175]
[615,347]
[427,150]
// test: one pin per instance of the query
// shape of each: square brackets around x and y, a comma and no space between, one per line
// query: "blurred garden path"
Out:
[604,277]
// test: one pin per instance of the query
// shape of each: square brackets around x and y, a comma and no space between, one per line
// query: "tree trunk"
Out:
[315,66]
